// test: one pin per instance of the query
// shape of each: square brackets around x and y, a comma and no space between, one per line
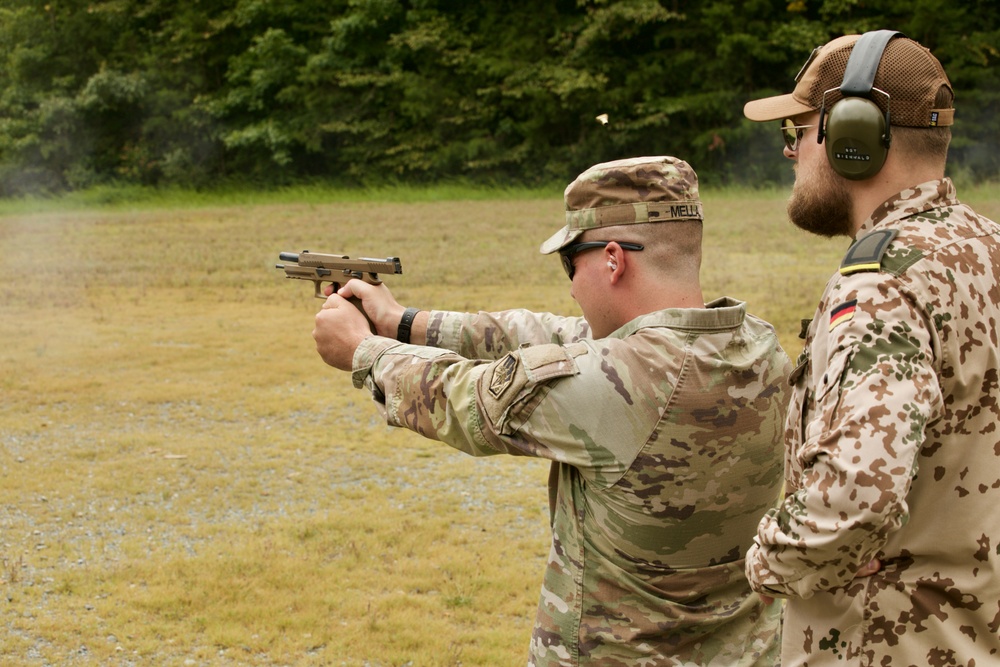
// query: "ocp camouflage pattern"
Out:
[894,452]
[637,190]
[633,190]
[665,443]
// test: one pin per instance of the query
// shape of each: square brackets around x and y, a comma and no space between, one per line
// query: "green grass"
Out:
[185,482]
[112,198]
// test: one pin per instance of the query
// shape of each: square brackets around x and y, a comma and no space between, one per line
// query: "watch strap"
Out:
[405,324]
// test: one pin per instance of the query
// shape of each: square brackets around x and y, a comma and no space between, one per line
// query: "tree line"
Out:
[360,92]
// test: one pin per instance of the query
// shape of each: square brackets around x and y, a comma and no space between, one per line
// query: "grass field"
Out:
[186,483]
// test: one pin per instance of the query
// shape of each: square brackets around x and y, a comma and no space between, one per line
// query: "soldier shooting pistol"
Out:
[336,269]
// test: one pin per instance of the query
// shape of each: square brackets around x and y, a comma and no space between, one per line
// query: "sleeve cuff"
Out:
[443,329]
[366,355]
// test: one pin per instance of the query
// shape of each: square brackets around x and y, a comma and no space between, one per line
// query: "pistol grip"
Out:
[356,302]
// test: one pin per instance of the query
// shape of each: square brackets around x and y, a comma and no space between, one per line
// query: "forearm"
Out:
[427,390]
[418,329]
[491,335]
[792,557]
[847,501]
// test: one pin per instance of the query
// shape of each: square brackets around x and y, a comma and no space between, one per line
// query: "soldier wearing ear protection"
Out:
[852,82]
[887,545]
[660,415]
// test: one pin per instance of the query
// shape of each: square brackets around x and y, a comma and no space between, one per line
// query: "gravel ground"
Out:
[92,521]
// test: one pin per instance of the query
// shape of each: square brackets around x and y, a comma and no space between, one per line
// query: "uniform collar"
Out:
[909,202]
[721,314]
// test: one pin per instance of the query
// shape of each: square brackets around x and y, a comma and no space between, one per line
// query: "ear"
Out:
[615,258]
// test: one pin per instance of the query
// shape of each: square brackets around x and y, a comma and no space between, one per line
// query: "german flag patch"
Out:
[843,313]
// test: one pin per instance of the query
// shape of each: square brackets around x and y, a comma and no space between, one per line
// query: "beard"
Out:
[821,205]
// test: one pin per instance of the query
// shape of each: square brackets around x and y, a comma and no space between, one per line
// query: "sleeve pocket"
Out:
[833,375]
[824,406]
[510,388]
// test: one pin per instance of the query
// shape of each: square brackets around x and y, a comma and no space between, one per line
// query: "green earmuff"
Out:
[855,130]
[857,138]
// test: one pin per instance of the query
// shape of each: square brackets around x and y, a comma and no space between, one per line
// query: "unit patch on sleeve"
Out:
[503,374]
[843,313]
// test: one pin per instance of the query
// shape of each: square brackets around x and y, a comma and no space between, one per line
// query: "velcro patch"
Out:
[503,375]
[866,253]
[843,313]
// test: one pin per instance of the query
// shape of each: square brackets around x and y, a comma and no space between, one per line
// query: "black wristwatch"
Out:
[403,333]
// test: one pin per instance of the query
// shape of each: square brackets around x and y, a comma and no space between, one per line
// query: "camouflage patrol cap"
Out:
[908,72]
[624,192]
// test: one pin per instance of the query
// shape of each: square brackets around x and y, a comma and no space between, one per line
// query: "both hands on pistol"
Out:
[340,329]
[336,270]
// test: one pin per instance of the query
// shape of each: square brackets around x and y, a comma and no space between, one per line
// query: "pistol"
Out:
[336,269]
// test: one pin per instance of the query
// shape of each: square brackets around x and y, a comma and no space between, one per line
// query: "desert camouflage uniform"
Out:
[894,450]
[665,440]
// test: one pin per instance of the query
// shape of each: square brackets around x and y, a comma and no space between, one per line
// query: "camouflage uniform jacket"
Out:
[893,450]
[665,443]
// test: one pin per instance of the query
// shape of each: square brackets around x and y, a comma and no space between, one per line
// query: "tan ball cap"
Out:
[908,72]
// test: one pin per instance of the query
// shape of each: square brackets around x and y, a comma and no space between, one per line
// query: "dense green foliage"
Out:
[372,91]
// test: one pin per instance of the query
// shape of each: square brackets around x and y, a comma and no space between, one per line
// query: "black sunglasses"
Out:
[792,133]
[566,254]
